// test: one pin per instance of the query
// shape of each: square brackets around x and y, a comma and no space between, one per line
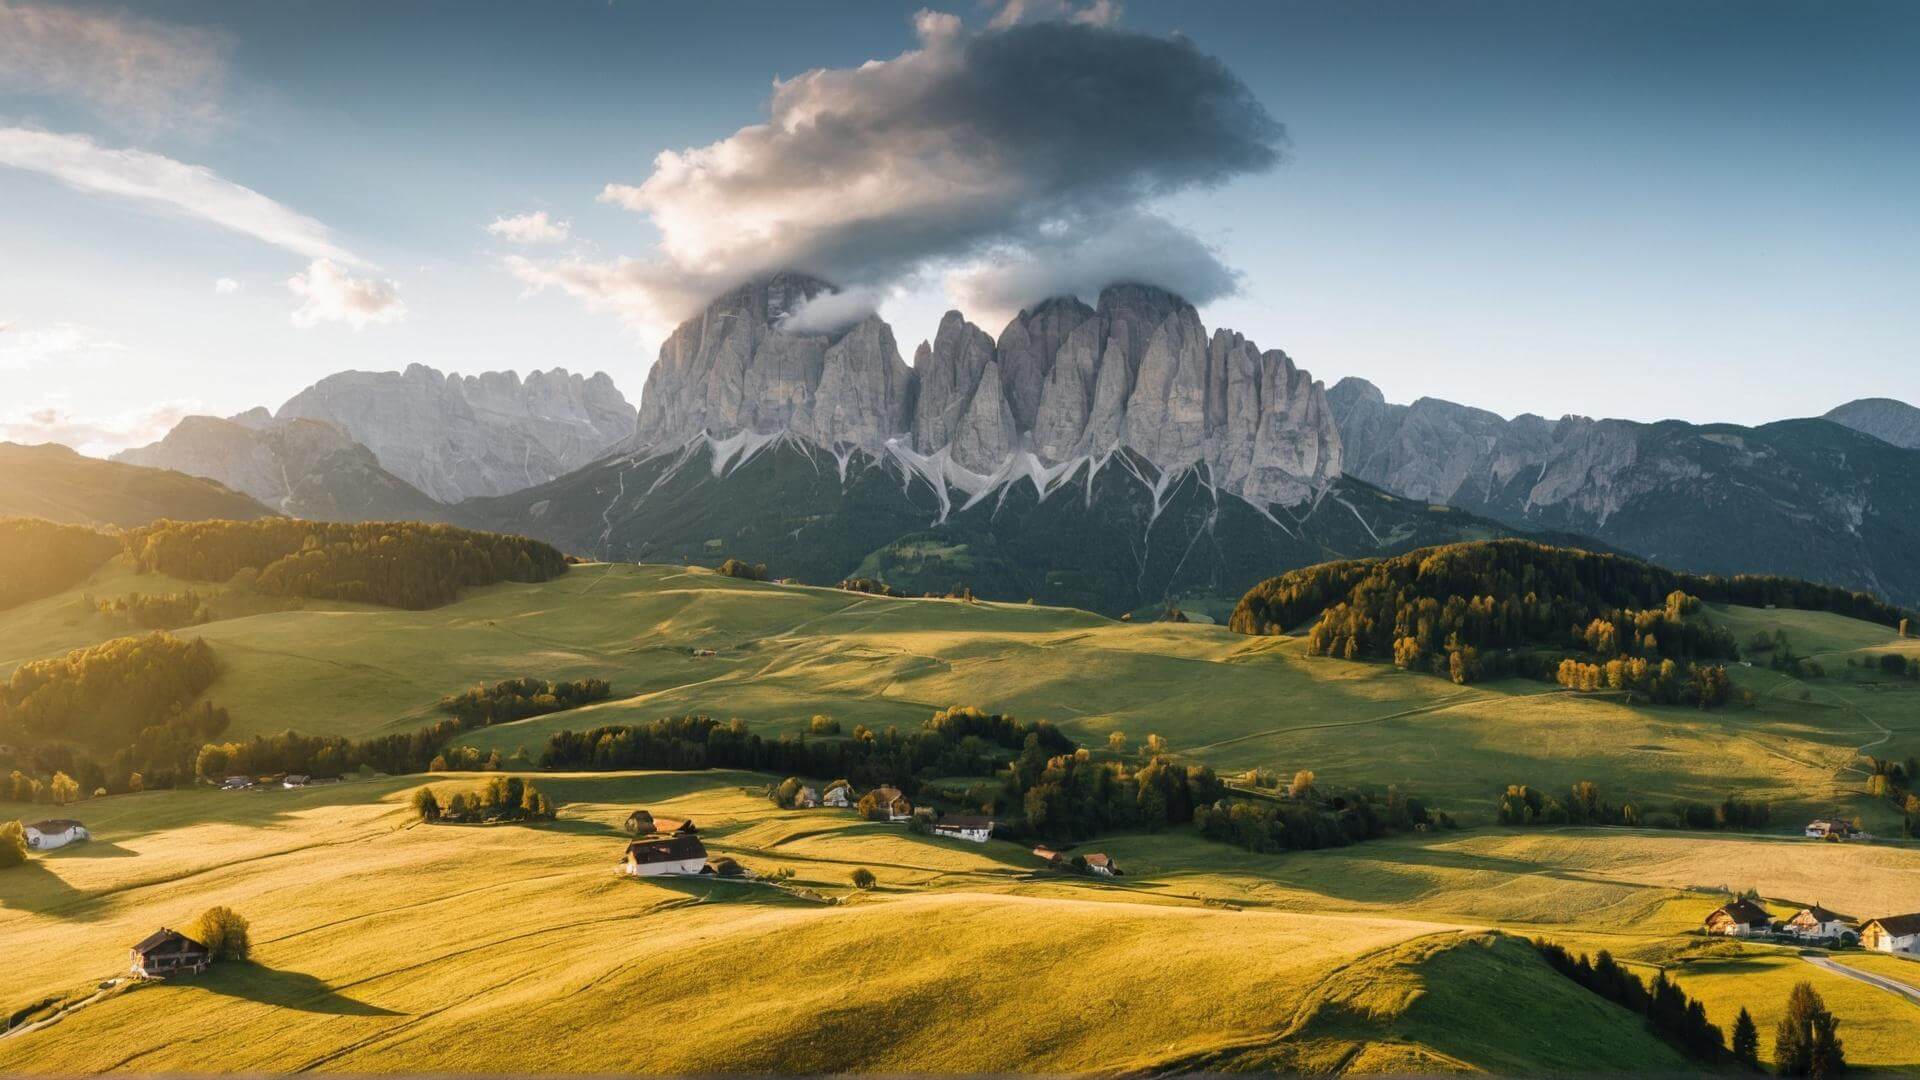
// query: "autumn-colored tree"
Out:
[13,844]
[224,932]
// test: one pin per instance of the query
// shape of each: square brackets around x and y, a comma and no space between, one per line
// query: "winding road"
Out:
[1891,986]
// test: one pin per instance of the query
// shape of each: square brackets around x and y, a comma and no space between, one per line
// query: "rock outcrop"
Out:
[454,436]
[1063,382]
[1885,419]
[303,468]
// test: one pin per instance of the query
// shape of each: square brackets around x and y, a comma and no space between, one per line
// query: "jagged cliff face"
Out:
[454,436]
[1065,384]
[303,468]
[1804,498]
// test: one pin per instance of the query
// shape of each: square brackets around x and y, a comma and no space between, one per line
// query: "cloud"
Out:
[96,435]
[132,71]
[329,294]
[1081,257]
[834,311]
[64,344]
[1014,12]
[534,228]
[226,286]
[157,181]
[1029,140]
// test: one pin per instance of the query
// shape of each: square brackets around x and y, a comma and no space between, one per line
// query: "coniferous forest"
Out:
[40,558]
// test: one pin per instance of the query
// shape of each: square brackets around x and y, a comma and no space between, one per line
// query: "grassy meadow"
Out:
[386,945]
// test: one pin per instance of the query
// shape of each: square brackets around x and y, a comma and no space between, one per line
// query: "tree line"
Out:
[1522,804]
[1307,821]
[498,798]
[162,611]
[405,564]
[40,558]
[517,699]
[1894,781]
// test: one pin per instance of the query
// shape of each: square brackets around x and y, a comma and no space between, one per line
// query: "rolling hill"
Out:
[52,482]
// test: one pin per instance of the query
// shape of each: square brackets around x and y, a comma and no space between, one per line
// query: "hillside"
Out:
[55,483]
[387,946]
[1885,419]
[785,653]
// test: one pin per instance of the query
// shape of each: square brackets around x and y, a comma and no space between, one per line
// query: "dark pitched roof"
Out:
[55,825]
[164,940]
[1746,913]
[669,849]
[1820,914]
[963,821]
[1899,925]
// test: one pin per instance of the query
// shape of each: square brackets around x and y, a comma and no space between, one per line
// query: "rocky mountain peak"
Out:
[1886,419]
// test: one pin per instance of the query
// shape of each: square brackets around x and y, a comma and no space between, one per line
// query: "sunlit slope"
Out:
[388,946]
[785,653]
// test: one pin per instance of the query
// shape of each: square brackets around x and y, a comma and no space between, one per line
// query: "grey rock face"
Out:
[304,468]
[1064,381]
[1885,419]
[456,436]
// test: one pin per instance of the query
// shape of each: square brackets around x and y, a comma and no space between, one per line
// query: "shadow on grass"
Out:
[93,849]
[36,888]
[711,888]
[286,989]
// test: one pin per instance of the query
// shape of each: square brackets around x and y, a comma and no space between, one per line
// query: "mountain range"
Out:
[1117,455]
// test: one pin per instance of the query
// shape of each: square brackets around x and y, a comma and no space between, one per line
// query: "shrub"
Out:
[13,845]
[863,879]
[224,932]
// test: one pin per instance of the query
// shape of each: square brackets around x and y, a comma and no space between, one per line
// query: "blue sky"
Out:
[1641,210]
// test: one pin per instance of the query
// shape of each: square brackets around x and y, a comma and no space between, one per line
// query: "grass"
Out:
[788,652]
[383,945]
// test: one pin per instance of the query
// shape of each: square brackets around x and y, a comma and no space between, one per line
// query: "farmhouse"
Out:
[294,780]
[669,855]
[977,829]
[1818,922]
[1824,829]
[54,833]
[1739,919]
[807,799]
[169,952]
[839,795]
[1893,933]
[891,802]
[237,783]
[1103,865]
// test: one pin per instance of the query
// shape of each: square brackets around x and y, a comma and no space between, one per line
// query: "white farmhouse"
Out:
[839,795]
[976,829]
[1894,934]
[55,833]
[1818,922]
[679,854]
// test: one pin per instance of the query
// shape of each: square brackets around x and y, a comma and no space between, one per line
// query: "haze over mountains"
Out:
[1114,455]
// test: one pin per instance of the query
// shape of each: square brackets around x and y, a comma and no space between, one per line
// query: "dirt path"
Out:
[1891,986]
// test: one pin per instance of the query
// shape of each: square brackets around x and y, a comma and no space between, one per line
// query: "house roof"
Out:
[165,940]
[887,794]
[1099,860]
[1898,925]
[963,821]
[1744,912]
[669,849]
[1820,914]
[55,825]
[667,826]
[1045,852]
[647,814]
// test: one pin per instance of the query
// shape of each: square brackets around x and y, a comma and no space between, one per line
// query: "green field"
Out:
[385,945]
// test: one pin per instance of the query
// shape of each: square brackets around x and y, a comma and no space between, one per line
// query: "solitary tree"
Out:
[13,845]
[1117,741]
[64,789]
[224,932]
[426,805]
[1746,1040]
[863,878]
[1807,1037]
[1302,785]
[1903,628]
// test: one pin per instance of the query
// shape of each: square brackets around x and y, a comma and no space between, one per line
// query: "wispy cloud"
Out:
[96,435]
[133,72]
[226,286]
[329,294]
[66,344]
[163,183]
[534,228]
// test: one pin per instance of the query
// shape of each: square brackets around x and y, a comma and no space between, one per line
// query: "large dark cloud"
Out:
[1023,159]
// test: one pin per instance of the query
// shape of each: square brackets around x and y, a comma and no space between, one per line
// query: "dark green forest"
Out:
[398,564]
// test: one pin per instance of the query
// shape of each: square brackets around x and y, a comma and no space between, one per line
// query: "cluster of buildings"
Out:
[664,846]
[1825,829]
[1888,933]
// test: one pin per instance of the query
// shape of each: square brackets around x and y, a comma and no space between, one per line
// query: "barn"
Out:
[55,833]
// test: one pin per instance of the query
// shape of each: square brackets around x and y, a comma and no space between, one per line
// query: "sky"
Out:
[1647,210]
